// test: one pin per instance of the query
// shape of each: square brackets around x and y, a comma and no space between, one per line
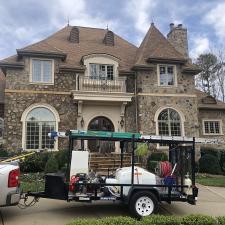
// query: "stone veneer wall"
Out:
[17,103]
[147,83]
[212,114]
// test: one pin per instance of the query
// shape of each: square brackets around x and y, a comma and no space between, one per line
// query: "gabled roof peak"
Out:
[156,46]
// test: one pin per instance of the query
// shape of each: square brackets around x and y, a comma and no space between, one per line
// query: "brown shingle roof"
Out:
[2,86]
[90,41]
[202,104]
[156,46]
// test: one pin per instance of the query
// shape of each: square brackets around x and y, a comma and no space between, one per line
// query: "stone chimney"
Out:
[177,36]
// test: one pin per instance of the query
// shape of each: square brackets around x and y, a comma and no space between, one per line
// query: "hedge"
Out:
[154,220]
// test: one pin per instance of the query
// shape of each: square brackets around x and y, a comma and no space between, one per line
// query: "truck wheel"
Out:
[143,203]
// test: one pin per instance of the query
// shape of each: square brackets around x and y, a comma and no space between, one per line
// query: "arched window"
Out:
[169,123]
[38,123]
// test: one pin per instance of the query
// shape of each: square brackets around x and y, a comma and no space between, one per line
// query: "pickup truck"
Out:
[9,184]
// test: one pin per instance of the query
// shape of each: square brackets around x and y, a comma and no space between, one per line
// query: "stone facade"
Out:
[137,107]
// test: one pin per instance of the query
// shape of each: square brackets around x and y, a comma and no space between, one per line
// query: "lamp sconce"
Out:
[82,122]
[122,122]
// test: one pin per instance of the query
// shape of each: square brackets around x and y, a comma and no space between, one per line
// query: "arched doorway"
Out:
[101,123]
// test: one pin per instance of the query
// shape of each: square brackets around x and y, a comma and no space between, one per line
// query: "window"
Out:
[42,71]
[212,127]
[101,72]
[169,123]
[39,122]
[166,75]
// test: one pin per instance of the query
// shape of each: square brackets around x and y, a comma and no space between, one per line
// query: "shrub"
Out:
[62,158]
[3,153]
[152,165]
[161,220]
[158,156]
[221,220]
[51,165]
[198,220]
[35,163]
[209,164]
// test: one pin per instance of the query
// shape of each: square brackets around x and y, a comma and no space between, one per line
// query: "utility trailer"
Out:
[134,186]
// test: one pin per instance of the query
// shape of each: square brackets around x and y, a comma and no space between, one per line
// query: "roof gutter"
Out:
[41,54]
[166,60]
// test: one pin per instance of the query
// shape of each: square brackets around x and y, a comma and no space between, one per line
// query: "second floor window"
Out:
[42,71]
[212,127]
[101,71]
[166,75]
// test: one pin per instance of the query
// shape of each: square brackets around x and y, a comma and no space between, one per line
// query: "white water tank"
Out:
[141,176]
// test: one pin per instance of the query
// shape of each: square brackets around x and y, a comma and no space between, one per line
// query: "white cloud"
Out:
[199,45]
[141,12]
[216,18]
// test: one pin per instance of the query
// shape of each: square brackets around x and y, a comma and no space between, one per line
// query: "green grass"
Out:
[210,180]
[32,182]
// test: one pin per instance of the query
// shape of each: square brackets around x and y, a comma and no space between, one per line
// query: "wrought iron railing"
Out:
[101,85]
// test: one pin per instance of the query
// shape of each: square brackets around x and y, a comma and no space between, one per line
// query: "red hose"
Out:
[165,169]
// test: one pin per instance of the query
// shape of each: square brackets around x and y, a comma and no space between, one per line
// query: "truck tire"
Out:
[143,203]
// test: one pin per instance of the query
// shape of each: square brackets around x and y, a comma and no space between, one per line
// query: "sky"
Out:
[25,22]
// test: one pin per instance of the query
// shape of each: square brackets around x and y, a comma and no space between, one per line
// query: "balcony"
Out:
[103,85]
[101,89]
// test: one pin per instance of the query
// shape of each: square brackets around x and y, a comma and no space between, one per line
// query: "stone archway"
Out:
[101,123]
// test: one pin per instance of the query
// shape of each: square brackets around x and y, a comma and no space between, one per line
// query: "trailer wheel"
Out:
[143,203]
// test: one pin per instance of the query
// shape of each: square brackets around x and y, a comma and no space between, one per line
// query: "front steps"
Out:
[109,162]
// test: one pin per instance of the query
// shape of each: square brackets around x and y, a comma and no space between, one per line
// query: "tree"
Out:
[207,78]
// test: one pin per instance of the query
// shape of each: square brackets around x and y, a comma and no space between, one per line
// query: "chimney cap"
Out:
[171,26]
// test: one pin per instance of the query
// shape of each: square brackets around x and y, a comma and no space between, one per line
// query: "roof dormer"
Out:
[74,35]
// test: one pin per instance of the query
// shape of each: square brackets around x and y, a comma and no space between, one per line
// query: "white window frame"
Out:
[174,72]
[212,120]
[182,120]
[102,64]
[23,120]
[39,82]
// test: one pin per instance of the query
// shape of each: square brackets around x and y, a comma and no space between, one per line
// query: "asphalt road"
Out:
[55,212]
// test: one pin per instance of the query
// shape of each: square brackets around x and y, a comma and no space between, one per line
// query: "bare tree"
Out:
[207,79]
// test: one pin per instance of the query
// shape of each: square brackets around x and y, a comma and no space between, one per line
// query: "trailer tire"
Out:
[143,203]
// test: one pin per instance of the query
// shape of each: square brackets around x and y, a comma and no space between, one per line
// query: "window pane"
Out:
[212,127]
[47,71]
[163,128]
[93,71]
[36,70]
[110,72]
[32,137]
[102,72]
[166,75]
[175,129]
[217,127]
[47,127]
[40,114]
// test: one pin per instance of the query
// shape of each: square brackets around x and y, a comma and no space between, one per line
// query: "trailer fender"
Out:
[133,190]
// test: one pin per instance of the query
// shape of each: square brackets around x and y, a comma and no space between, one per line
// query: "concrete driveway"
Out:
[55,212]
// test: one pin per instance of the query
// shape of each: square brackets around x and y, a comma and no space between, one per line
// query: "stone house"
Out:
[89,78]
[2,88]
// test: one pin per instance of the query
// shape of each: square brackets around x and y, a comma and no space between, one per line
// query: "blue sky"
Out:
[27,21]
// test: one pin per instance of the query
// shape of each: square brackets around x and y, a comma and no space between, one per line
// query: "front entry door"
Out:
[101,123]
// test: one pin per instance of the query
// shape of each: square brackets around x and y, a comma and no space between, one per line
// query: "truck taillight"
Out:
[13,180]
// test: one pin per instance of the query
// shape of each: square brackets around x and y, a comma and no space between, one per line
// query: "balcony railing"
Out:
[101,85]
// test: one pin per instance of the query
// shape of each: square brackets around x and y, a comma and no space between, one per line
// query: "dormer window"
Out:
[101,71]
[42,71]
[166,75]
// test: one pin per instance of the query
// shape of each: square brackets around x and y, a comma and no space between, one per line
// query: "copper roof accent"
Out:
[156,47]
[2,86]
[90,42]
[205,101]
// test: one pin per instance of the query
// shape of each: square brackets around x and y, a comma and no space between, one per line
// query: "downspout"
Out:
[136,102]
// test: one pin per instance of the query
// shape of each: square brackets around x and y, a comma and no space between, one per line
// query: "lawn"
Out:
[211,180]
